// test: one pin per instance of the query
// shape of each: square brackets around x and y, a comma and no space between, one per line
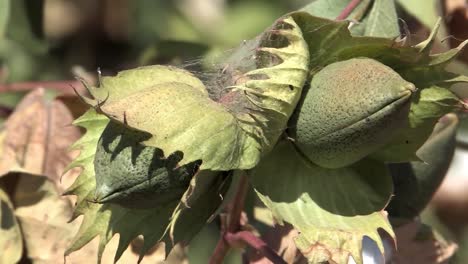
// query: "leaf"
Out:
[374,18]
[154,224]
[23,52]
[11,241]
[427,107]
[416,182]
[230,125]
[330,41]
[333,209]
[4,17]
[43,216]
[24,24]
[37,137]
[383,20]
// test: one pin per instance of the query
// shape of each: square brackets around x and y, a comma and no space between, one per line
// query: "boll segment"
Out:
[351,109]
[137,176]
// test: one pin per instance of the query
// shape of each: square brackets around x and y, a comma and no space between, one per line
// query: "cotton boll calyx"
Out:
[351,109]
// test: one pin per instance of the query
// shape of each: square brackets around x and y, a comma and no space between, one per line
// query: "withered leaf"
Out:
[36,137]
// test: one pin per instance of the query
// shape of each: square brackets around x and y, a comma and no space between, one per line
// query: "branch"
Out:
[348,9]
[237,205]
[233,224]
[64,87]
[256,243]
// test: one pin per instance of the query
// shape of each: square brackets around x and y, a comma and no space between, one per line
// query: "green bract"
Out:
[227,126]
[161,144]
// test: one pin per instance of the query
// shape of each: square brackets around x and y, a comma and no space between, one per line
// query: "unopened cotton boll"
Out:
[351,109]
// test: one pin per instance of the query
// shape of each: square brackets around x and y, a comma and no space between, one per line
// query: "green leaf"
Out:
[228,125]
[23,51]
[376,18]
[4,17]
[106,220]
[333,209]
[383,20]
[11,240]
[330,41]
[426,108]
[24,24]
[416,182]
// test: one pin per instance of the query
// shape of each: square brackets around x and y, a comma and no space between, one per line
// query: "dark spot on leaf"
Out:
[274,39]
[291,87]
[266,59]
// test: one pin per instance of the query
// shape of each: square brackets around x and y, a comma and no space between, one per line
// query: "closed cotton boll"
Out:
[351,109]
[137,176]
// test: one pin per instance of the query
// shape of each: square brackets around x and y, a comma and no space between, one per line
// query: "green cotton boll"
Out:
[136,176]
[351,109]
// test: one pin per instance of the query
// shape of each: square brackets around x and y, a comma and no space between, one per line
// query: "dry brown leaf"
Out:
[37,136]
[43,215]
[412,248]
[11,243]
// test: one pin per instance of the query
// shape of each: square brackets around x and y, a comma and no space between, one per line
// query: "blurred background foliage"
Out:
[45,43]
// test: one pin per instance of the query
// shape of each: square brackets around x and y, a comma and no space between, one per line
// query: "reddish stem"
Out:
[221,249]
[65,87]
[237,206]
[254,242]
[348,9]
[233,224]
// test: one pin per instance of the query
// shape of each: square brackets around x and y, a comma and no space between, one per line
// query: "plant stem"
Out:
[65,87]
[233,223]
[256,243]
[348,9]
[237,205]
[221,249]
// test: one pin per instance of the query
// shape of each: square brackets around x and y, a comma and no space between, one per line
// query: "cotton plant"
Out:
[310,113]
